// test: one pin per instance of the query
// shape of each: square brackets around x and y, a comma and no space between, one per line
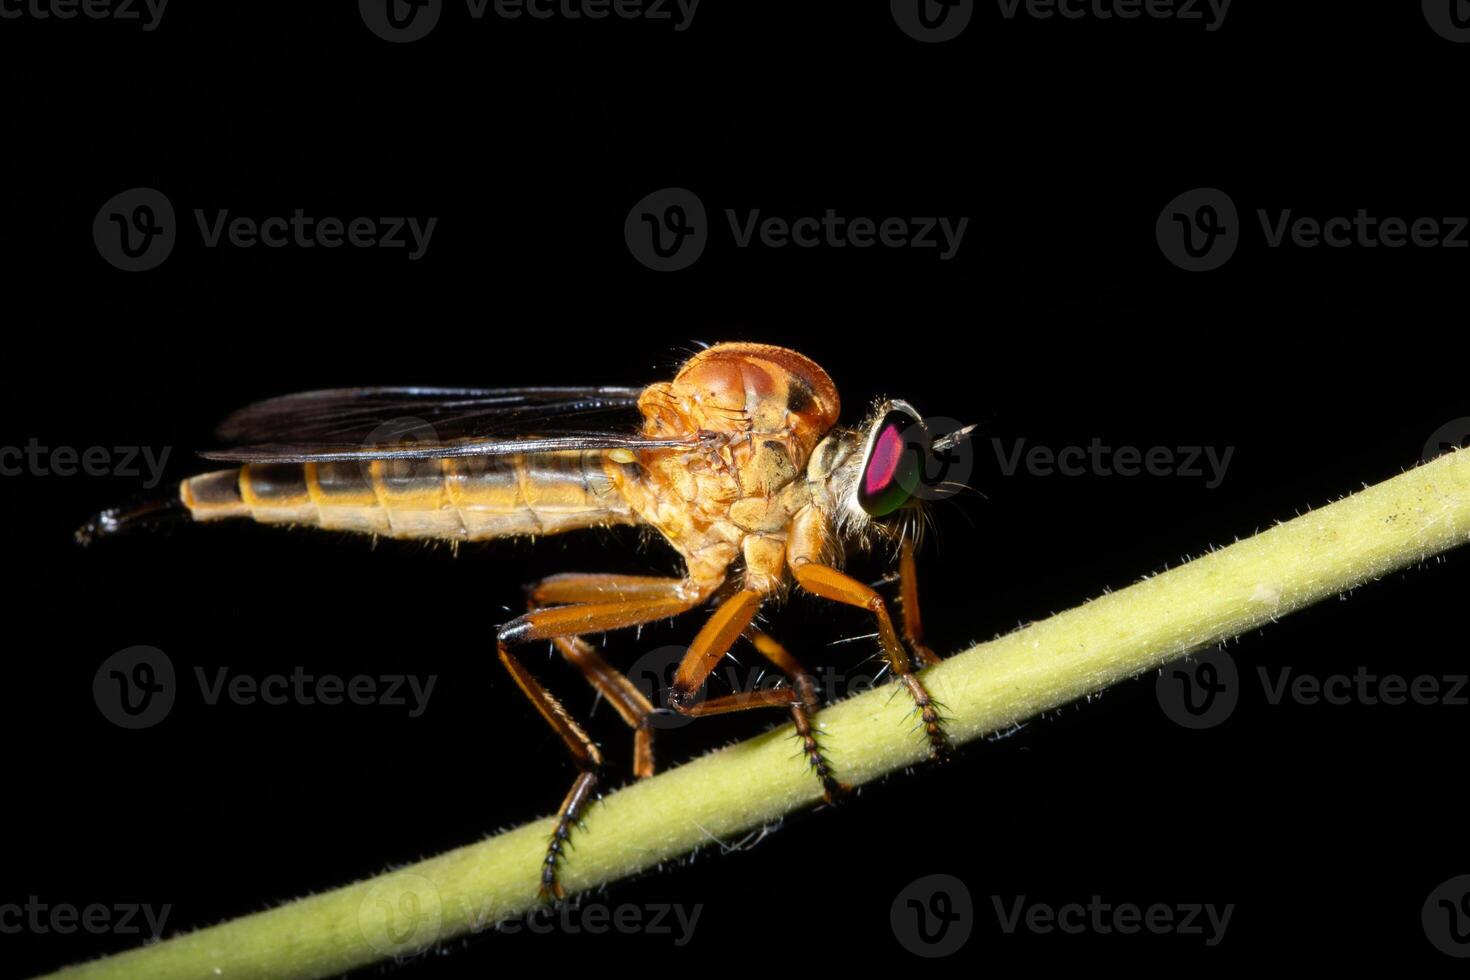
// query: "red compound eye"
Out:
[894,464]
[883,464]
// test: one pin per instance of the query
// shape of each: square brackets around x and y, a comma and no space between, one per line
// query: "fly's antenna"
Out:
[148,512]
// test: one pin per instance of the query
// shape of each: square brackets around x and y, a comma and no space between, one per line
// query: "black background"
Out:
[1058,322]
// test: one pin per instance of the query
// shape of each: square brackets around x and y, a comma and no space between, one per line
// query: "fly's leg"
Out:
[608,613]
[908,605]
[630,703]
[584,754]
[801,699]
[730,619]
[801,711]
[713,641]
[567,622]
[828,583]
[582,587]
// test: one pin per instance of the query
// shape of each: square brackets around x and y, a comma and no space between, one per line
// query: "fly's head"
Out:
[766,406]
[878,477]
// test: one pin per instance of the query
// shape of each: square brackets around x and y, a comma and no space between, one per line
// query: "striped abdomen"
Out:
[466,498]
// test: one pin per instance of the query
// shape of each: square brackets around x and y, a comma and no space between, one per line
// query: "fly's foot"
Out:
[568,817]
[940,747]
[833,789]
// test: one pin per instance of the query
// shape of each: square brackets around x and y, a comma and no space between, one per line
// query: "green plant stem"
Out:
[729,792]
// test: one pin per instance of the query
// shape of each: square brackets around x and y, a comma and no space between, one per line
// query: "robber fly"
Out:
[737,463]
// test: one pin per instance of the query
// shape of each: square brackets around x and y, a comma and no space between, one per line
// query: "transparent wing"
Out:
[426,423]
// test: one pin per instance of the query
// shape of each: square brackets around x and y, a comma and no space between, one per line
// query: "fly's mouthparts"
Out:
[954,438]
